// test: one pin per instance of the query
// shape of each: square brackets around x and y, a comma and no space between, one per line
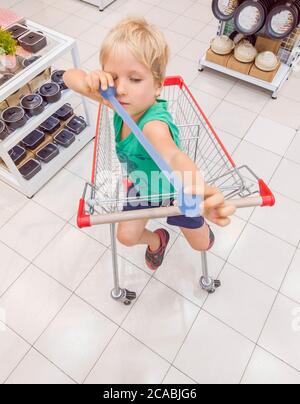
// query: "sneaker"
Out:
[154,259]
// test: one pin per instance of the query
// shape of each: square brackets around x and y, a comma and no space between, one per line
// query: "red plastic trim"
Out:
[83,220]
[174,81]
[266,194]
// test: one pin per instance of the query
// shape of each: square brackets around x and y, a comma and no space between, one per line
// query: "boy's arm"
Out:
[159,135]
[87,84]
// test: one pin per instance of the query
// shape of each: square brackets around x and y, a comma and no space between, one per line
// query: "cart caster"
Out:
[124,296]
[210,286]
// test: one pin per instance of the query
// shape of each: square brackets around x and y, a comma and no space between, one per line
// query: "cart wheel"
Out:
[211,286]
[130,296]
[125,296]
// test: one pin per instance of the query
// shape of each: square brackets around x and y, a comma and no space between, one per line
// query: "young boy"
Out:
[134,57]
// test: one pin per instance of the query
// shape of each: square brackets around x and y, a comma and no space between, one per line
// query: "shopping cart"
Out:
[103,199]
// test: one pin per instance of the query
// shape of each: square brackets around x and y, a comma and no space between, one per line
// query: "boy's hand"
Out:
[216,210]
[97,79]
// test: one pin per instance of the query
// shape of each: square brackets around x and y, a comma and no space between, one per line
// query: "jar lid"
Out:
[5,78]
[31,101]
[222,45]
[267,61]
[13,114]
[250,16]
[245,52]
[282,19]
[29,61]
[49,89]
[57,76]
[224,9]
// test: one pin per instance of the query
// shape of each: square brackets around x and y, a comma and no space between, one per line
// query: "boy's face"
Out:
[134,82]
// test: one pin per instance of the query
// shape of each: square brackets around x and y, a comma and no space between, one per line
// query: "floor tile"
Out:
[282,220]
[194,50]
[12,350]
[293,152]
[242,302]
[248,97]
[101,233]
[200,12]
[186,26]
[291,89]
[11,202]
[160,17]
[262,162]
[70,257]
[12,265]
[281,335]
[226,237]
[32,302]
[176,377]
[217,85]
[96,288]
[161,319]
[175,40]
[284,111]
[182,271]
[223,118]
[262,256]
[30,230]
[264,368]
[270,135]
[35,369]
[76,338]
[291,285]
[208,103]
[128,361]
[284,180]
[183,67]
[67,185]
[213,353]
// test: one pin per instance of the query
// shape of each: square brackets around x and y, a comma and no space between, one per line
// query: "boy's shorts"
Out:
[180,221]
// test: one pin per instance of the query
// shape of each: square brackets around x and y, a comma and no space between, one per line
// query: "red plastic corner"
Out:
[266,194]
[83,220]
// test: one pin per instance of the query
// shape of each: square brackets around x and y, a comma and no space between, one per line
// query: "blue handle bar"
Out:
[188,204]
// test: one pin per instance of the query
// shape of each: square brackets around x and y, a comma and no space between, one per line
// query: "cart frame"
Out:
[102,201]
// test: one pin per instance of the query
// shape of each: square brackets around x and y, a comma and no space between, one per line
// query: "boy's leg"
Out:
[199,239]
[135,233]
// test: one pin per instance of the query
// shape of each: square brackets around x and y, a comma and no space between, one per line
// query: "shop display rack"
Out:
[58,45]
[289,55]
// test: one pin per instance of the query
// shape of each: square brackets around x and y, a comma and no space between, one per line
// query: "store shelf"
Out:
[33,123]
[281,75]
[289,56]
[58,45]
[49,169]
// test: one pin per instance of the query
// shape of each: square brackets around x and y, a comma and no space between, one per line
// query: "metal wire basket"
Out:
[198,139]
[104,197]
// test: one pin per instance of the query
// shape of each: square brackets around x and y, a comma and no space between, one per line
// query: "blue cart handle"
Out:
[188,204]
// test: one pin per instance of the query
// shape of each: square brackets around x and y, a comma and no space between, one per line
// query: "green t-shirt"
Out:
[147,178]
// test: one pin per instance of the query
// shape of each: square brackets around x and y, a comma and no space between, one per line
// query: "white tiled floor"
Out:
[58,323]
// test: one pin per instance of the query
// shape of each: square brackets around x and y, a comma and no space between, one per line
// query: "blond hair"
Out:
[145,41]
